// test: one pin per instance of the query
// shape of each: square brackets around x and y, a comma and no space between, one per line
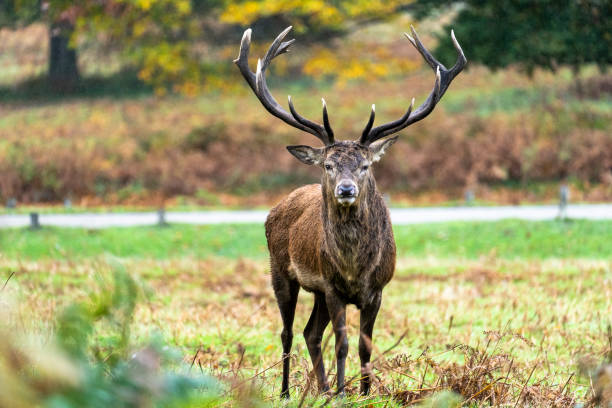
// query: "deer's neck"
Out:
[352,234]
[338,218]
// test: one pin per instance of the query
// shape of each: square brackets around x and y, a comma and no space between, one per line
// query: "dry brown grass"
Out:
[491,129]
[495,332]
[146,150]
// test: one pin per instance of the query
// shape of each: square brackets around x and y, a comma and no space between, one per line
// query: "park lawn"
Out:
[527,301]
[510,239]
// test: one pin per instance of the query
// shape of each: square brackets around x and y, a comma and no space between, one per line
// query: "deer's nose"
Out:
[346,190]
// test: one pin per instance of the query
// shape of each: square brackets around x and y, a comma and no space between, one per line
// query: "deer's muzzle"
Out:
[346,192]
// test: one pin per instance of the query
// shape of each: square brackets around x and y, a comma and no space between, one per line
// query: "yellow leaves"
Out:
[139,28]
[244,13]
[170,66]
[347,67]
[162,38]
[322,63]
[188,88]
[322,16]
[144,4]
[183,7]
[98,119]
[354,70]
[371,8]
[320,12]
[145,74]
[380,70]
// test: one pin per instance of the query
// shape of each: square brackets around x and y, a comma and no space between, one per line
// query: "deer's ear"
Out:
[379,148]
[306,154]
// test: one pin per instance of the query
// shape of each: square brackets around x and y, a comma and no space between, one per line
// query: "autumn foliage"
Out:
[128,150]
[199,133]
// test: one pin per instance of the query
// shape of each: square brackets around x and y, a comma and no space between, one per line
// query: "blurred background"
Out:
[125,106]
[137,103]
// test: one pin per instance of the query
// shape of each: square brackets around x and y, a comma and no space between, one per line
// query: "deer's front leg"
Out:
[367,319]
[337,314]
[313,333]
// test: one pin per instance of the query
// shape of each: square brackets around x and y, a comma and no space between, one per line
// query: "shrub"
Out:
[91,362]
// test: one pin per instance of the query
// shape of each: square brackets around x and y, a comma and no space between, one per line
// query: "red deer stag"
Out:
[334,239]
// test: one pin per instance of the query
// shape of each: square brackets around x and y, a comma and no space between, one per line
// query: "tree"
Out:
[153,35]
[315,18]
[531,33]
[156,37]
[168,42]
[63,68]
[60,17]
[317,22]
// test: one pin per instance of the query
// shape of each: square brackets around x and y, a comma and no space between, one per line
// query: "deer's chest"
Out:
[351,263]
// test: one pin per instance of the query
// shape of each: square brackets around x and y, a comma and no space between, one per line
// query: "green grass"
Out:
[541,315]
[484,102]
[545,287]
[511,239]
[230,241]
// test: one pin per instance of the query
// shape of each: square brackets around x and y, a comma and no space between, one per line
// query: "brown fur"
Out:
[343,254]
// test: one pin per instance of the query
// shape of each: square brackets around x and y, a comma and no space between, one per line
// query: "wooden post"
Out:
[563,201]
[469,197]
[34,221]
[161,217]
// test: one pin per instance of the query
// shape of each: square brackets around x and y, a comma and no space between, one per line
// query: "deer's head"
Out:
[346,165]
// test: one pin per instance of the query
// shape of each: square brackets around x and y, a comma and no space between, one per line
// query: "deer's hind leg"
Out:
[286,291]
[368,318]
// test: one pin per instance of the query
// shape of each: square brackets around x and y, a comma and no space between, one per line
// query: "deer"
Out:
[334,239]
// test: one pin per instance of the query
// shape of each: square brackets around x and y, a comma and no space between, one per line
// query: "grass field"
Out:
[497,312]
[510,239]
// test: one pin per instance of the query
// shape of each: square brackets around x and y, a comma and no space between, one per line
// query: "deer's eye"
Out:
[365,167]
[328,167]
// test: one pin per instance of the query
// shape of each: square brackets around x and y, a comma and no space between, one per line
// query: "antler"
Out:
[257,82]
[443,79]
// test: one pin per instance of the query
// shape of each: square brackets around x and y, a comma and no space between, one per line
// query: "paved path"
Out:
[400,216]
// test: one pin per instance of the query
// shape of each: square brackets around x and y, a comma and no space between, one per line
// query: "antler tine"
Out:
[368,127]
[461,60]
[257,82]
[243,59]
[275,47]
[447,74]
[326,124]
[308,123]
[416,42]
[378,131]
[443,79]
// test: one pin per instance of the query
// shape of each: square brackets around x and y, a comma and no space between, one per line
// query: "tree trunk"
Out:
[578,86]
[63,69]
